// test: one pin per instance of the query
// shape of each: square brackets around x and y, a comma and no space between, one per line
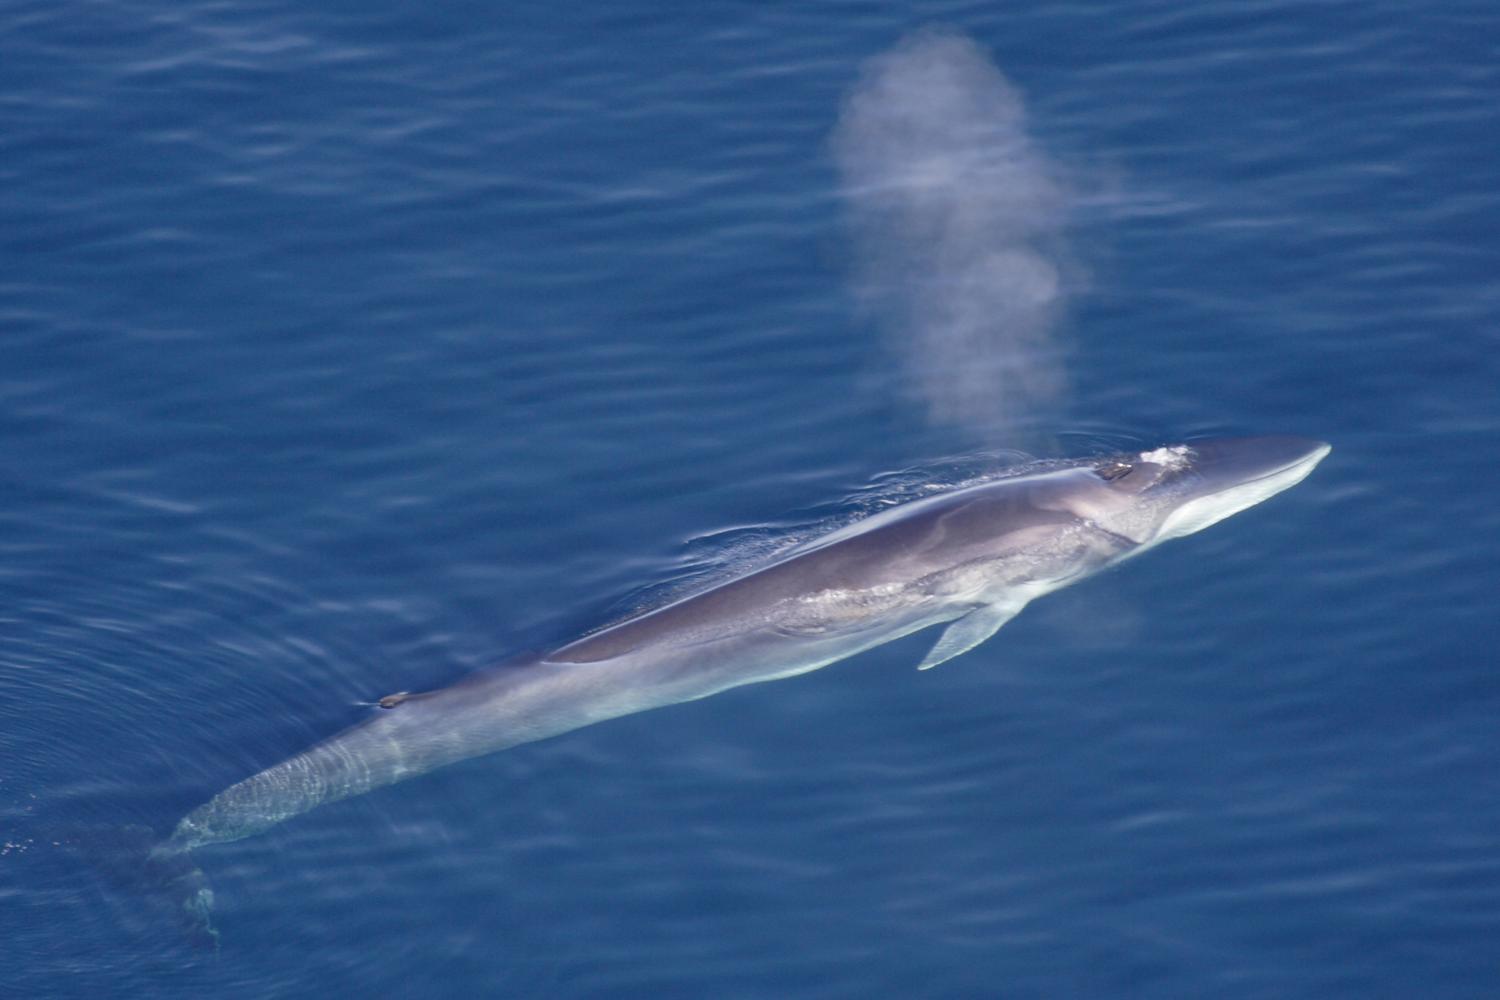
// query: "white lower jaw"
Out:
[1195,515]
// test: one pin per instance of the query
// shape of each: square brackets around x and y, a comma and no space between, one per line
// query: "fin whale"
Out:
[968,559]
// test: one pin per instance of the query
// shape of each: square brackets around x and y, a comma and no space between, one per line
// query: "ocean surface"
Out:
[346,349]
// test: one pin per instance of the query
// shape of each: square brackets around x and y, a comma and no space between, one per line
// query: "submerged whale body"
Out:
[969,560]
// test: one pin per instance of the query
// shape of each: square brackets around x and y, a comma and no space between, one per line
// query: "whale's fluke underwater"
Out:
[969,560]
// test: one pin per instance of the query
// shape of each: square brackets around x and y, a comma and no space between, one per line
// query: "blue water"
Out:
[349,348]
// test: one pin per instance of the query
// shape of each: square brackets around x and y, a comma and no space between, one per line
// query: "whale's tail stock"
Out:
[173,870]
[134,859]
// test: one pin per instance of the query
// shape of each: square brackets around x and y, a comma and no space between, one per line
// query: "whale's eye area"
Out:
[1110,471]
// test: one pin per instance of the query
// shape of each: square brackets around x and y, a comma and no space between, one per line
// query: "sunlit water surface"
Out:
[347,350]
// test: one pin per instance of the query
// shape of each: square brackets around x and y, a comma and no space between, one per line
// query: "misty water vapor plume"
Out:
[958,221]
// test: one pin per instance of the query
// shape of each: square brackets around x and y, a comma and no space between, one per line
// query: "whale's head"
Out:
[1151,496]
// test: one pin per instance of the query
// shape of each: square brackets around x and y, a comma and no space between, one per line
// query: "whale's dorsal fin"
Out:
[969,631]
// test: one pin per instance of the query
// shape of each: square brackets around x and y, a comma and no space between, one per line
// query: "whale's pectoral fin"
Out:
[968,632]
